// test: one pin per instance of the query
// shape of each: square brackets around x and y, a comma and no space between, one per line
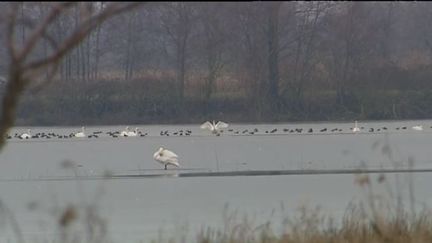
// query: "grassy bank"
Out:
[311,226]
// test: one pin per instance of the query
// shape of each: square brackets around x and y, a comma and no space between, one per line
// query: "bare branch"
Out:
[80,33]
[20,73]
[11,32]
[40,31]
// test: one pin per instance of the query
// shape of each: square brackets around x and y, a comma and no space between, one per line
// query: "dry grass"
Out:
[375,219]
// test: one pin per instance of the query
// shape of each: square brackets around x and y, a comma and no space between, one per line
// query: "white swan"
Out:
[26,135]
[80,134]
[166,157]
[125,133]
[418,128]
[215,128]
[133,133]
[356,128]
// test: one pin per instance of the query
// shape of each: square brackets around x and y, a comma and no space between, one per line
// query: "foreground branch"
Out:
[21,72]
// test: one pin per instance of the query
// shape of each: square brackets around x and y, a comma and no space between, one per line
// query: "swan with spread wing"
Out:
[215,128]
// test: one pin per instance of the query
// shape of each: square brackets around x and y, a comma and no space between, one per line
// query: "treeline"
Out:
[245,61]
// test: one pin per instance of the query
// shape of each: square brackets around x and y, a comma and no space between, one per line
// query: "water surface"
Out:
[136,208]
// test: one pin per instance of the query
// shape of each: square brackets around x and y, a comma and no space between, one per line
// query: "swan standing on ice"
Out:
[80,134]
[125,132]
[418,128]
[166,157]
[26,135]
[215,128]
[356,128]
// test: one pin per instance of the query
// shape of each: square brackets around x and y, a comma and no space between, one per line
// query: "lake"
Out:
[145,199]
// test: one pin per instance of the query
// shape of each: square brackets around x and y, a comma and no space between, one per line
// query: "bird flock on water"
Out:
[167,157]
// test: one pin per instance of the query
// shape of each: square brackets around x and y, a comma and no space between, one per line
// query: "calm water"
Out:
[137,208]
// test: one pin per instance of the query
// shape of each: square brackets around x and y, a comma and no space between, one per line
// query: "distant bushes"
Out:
[113,102]
[385,93]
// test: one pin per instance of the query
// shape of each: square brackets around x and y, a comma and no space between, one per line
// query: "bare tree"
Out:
[177,19]
[23,69]
[386,26]
[130,49]
[213,37]
[422,23]
[349,45]
[276,52]
[259,36]
[272,94]
[251,22]
[97,47]
[308,17]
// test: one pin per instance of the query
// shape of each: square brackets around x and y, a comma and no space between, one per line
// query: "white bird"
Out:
[133,133]
[26,135]
[215,128]
[356,128]
[80,134]
[166,157]
[418,128]
[125,133]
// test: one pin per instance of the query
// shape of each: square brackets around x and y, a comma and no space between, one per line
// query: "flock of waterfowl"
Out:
[217,129]
[167,157]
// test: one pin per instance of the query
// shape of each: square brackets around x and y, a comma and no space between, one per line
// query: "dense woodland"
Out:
[241,62]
